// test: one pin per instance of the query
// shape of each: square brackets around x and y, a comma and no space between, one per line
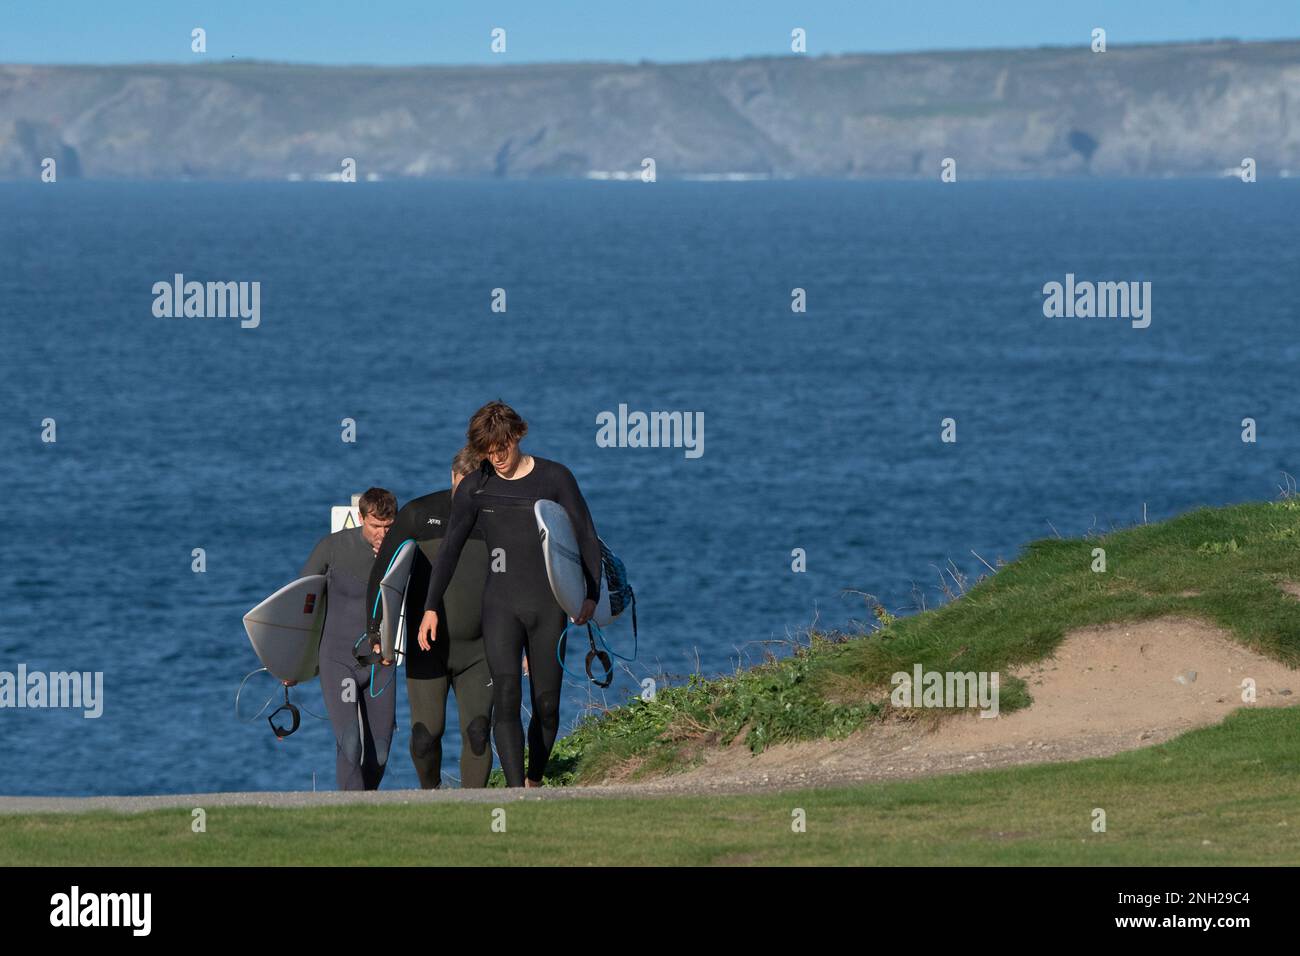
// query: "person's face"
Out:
[505,458]
[373,529]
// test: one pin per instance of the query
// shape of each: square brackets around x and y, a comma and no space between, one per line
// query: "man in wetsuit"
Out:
[456,658]
[520,614]
[360,700]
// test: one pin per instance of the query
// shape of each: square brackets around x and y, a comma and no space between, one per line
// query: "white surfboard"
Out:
[564,562]
[285,629]
[392,591]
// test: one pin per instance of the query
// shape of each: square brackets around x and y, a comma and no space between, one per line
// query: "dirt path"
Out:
[1107,690]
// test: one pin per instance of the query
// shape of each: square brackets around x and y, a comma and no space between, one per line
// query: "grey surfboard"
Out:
[392,591]
[285,629]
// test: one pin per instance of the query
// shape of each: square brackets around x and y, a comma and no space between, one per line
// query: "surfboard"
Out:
[285,629]
[564,562]
[392,591]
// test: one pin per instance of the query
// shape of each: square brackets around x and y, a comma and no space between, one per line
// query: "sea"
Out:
[876,394]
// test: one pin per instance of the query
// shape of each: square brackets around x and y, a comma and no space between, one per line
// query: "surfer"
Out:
[359,700]
[456,658]
[520,613]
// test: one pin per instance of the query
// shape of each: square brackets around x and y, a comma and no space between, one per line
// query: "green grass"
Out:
[1233,559]
[1222,795]
[1228,794]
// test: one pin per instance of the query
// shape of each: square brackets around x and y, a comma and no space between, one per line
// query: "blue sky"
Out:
[457,31]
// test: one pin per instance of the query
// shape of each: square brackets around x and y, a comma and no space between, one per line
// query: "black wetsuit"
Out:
[519,610]
[456,658]
[363,723]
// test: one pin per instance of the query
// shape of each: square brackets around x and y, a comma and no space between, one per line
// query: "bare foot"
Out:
[530,782]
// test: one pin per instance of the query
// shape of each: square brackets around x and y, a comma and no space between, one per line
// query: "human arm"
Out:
[318,562]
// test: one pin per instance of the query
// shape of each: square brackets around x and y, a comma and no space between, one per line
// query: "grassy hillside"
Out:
[1224,565]
[1225,795]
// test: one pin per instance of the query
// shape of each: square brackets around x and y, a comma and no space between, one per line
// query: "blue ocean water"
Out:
[822,429]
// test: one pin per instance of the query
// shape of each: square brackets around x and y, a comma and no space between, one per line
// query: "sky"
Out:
[398,32]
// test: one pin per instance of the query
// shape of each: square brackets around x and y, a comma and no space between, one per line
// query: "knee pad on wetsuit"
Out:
[548,708]
[507,695]
[351,747]
[422,742]
[477,735]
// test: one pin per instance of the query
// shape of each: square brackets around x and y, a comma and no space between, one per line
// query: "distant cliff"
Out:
[1187,109]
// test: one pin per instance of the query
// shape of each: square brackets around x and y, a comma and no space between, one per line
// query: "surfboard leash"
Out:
[594,655]
[280,731]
